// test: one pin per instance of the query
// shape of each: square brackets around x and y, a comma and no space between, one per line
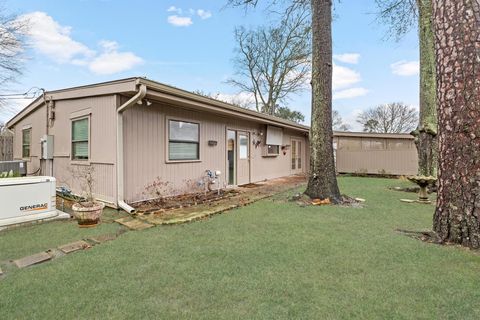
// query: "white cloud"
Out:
[351,58]
[174,9]
[344,77]
[53,40]
[351,120]
[243,99]
[349,93]
[179,21]
[203,14]
[111,61]
[405,68]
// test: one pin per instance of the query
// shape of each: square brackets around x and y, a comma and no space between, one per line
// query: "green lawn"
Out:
[271,259]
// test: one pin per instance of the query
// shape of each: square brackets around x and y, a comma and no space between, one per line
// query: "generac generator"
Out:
[27,199]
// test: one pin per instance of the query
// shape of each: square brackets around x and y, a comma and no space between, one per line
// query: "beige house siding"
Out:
[376,154]
[102,142]
[145,147]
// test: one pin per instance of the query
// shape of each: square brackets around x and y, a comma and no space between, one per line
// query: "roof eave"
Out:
[223,107]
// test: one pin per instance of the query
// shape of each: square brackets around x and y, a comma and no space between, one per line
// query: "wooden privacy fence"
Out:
[6,147]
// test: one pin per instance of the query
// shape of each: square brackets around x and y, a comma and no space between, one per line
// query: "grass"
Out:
[272,259]
[23,241]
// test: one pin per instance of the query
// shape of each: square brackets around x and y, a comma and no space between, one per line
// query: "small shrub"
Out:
[158,190]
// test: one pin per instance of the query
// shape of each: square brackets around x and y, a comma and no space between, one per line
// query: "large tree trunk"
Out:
[457,32]
[426,133]
[322,182]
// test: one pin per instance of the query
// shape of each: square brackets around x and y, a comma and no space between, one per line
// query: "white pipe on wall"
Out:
[142,91]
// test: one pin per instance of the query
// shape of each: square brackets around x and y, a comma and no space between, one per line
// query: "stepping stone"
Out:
[102,238]
[31,260]
[1,272]
[134,224]
[407,200]
[74,246]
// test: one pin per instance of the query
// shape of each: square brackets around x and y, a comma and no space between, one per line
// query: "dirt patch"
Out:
[233,198]
[303,201]
[250,185]
[182,201]
[429,236]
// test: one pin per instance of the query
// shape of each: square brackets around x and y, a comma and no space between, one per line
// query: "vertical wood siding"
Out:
[102,142]
[145,138]
[376,155]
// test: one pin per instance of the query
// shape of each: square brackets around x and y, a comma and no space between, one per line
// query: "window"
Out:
[26,139]
[183,140]
[80,139]
[296,155]
[273,150]
[243,146]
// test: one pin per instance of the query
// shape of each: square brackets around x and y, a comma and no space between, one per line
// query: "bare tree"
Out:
[337,122]
[401,16]
[12,31]
[283,112]
[273,62]
[457,34]
[322,180]
[389,118]
[12,44]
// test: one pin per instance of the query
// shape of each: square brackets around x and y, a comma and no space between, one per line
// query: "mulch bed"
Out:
[182,201]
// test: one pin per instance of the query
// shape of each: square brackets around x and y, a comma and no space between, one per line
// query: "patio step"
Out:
[33,259]
[74,246]
[134,224]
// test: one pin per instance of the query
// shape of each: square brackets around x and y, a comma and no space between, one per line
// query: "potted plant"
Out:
[87,211]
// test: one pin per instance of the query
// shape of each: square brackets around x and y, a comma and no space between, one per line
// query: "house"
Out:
[136,132]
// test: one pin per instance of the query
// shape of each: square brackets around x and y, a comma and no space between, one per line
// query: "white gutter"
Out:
[142,91]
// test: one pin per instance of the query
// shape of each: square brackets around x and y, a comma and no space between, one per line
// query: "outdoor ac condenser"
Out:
[27,199]
[18,167]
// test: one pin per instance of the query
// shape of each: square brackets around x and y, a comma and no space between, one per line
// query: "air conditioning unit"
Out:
[28,199]
[18,167]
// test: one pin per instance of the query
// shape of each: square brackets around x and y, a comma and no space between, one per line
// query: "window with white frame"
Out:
[273,150]
[80,139]
[26,142]
[183,140]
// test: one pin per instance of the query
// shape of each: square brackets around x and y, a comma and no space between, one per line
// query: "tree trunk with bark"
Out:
[457,45]
[322,182]
[426,133]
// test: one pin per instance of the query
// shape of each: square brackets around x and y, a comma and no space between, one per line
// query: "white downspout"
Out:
[142,91]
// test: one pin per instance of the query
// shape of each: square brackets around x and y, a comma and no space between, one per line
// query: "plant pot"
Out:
[87,216]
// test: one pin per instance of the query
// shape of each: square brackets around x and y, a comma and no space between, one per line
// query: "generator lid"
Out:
[25,180]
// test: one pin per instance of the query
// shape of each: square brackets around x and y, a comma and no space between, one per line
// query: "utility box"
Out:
[47,147]
[27,199]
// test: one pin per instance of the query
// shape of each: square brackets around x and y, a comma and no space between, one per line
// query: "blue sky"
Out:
[189,44]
